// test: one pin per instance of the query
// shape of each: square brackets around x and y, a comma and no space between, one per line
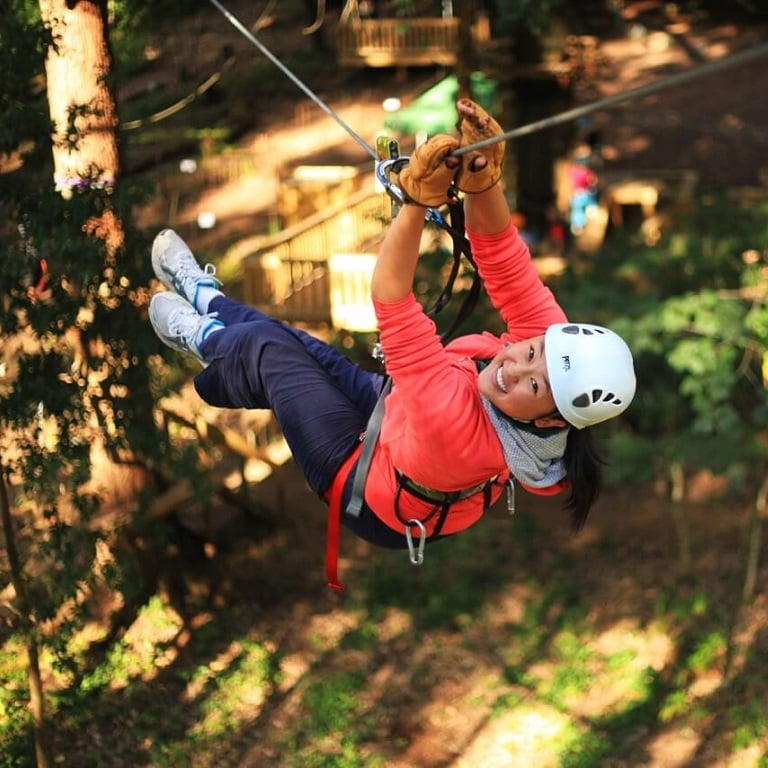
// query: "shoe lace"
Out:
[185,324]
[190,273]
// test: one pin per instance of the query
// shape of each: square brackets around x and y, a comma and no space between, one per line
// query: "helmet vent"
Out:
[585,330]
[584,400]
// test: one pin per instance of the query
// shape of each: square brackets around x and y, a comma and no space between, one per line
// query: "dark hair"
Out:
[584,467]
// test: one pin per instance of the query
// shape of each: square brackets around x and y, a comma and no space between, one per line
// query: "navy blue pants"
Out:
[320,398]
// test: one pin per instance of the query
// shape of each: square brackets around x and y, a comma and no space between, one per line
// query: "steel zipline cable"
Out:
[728,62]
[240,27]
[735,60]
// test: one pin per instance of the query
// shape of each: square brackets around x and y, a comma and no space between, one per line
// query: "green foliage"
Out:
[353,699]
[748,722]
[15,720]
[130,16]
[421,591]
[332,727]
[77,359]
[331,702]
[585,749]
[693,310]
[675,705]
[22,98]
[254,670]
[533,15]
[80,367]
[707,652]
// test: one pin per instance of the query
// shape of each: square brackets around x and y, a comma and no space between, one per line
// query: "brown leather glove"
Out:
[475,124]
[429,173]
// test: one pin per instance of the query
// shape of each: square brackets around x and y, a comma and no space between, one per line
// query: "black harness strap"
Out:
[461,247]
[442,500]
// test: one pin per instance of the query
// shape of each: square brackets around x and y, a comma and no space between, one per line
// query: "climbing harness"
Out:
[441,502]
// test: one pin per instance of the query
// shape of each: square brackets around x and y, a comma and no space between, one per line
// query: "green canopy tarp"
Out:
[434,111]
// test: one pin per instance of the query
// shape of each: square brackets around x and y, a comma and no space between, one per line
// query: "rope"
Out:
[263,20]
[181,103]
[743,57]
[318,22]
[238,25]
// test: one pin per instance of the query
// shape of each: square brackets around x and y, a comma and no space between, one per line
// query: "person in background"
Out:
[584,187]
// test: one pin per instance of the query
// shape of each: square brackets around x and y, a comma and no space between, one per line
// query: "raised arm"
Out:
[425,181]
[504,261]
[487,212]
[395,267]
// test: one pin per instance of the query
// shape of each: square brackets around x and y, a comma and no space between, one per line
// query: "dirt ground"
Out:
[714,125]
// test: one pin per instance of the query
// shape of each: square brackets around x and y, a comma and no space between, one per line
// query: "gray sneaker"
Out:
[177,269]
[179,325]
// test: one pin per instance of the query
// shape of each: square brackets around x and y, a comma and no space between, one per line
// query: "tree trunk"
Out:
[754,541]
[466,63]
[751,567]
[34,679]
[677,477]
[80,101]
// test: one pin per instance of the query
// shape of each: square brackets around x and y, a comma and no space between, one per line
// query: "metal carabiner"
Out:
[511,495]
[395,165]
[416,553]
[383,169]
[377,352]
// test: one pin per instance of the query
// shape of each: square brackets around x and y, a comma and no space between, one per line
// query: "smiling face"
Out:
[516,382]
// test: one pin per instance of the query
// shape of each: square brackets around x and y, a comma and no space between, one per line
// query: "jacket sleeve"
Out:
[513,284]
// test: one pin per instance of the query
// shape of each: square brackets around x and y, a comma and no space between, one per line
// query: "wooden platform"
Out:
[404,42]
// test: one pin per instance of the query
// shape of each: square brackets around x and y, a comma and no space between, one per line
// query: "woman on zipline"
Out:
[462,420]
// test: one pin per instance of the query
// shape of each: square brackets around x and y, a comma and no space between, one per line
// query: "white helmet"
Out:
[590,372]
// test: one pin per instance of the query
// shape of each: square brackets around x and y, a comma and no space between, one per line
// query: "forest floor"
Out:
[514,646]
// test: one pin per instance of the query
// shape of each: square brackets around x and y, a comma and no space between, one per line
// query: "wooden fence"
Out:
[290,275]
[398,42]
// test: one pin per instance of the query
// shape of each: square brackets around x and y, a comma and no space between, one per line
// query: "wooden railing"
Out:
[289,276]
[398,42]
[236,455]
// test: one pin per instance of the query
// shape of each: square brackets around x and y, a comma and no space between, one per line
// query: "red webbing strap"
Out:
[333,497]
